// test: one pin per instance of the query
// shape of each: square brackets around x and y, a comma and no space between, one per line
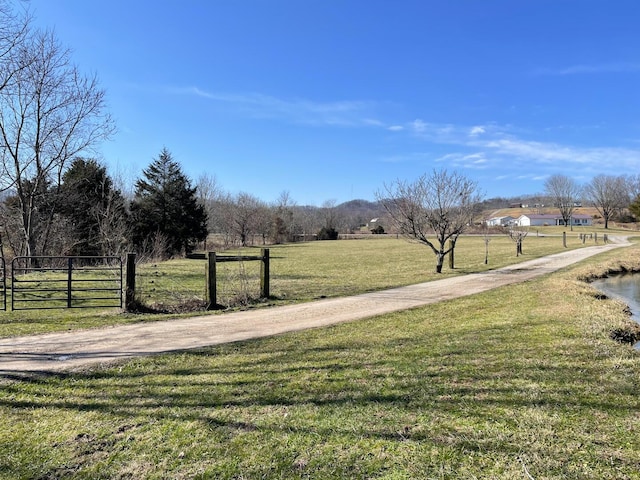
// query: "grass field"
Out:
[519,382]
[300,272]
[481,387]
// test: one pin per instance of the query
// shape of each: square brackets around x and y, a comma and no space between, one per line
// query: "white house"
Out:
[500,221]
[577,220]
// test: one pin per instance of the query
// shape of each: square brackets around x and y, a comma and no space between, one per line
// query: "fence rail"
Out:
[51,282]
[212,258]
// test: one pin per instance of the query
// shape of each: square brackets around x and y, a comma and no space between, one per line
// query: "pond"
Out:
[625,287]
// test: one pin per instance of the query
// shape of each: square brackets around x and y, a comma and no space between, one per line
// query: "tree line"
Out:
[437,208]
[167,214]
[613,196]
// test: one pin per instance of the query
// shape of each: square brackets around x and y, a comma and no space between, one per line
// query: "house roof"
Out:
[548,216]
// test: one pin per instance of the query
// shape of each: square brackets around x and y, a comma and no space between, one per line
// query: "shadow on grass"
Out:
[409,388]
[453,376]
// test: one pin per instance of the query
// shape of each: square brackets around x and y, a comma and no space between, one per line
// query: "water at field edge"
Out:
[624,287]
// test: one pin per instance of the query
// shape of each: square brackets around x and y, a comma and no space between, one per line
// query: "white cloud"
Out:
[419,126]
[496,146]
[477,130]
[621,67]
[551,153]
[395,128]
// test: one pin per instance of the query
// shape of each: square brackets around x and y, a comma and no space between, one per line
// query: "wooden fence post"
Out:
[564,239]
[264,273]
[130,283]
[211,281]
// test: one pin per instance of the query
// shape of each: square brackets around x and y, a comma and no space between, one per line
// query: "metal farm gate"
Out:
[65,282]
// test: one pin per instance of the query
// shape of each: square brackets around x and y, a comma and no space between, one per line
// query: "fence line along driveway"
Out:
[72,350]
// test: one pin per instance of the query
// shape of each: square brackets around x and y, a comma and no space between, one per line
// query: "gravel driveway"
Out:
[79,349]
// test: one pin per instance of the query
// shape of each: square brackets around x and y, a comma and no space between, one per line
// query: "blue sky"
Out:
[330,99]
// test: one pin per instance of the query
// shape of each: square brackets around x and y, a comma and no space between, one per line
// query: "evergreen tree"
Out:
[165,207]
[634,208]
[94,210]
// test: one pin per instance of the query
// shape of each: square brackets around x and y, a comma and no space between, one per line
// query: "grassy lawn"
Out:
[300,272]
[519,382]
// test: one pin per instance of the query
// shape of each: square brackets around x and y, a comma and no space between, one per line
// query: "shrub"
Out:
[328,233]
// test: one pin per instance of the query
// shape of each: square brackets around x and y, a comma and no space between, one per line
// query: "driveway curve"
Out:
[67,351]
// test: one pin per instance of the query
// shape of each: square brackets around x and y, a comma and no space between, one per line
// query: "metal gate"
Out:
[65,282]
[3,284]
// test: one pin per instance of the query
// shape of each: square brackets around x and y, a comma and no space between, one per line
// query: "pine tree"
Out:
[165,206]
[94,209]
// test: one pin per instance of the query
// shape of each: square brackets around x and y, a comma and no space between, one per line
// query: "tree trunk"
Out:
[439,262]
[452,246]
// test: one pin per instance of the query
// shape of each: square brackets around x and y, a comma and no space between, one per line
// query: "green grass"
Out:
[299,272]
[522,379]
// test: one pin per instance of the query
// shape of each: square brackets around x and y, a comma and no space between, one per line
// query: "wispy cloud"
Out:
[494,146]
[621,67]
[540,153]
[257,105]
[479,146]
[471,161]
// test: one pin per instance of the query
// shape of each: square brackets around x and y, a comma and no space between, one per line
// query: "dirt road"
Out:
[72,350]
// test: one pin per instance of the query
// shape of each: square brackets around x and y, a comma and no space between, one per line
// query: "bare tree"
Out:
[329,213]
[264,221]
[486,236]
[224,219]
[309,222]
[113,226]
[209,193]
[608,194]
[329,229]
[284,223]
[246,216]
[440,204]
[564,192]
[14,28]
[49,113]
[632,183]
[517,234]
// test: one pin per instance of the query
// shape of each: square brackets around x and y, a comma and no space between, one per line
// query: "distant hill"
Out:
[356,213]
[360,206]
